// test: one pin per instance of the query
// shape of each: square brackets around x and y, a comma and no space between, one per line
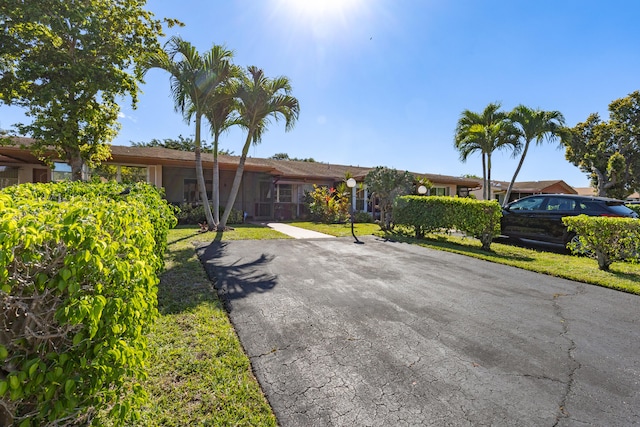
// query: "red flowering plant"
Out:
[328,205]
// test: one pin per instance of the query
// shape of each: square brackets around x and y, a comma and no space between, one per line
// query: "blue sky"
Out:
[383,82]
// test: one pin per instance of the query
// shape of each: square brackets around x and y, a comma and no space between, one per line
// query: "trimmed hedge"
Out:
[477,218]
[79,268]
[609,239]
[189,214]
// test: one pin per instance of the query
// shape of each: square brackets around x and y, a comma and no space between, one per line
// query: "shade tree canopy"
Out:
[609,151]
[67,64]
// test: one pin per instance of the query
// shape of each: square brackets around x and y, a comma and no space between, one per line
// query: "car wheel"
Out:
[575,247]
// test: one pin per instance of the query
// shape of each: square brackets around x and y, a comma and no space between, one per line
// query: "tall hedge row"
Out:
[79,268]
[477,218]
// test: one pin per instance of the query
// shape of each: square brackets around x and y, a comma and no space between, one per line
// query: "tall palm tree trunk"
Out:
[200,175]
[515,175]
[485,183]
[233,193]
[216,183]
[488,176]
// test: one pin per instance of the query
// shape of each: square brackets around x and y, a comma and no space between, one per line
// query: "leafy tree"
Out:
[484,132]
[182,144]
[386,184]
[609,151]
[66,63]
[194,79]
[533,125]
[285,156]
[259,98]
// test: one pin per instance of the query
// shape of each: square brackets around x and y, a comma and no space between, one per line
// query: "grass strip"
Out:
[199,374]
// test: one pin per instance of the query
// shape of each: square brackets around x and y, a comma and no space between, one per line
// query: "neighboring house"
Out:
[528,188]
[590,191]
[270,189]
[586,191]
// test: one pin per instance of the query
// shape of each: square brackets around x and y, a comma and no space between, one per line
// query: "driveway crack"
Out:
[574,364]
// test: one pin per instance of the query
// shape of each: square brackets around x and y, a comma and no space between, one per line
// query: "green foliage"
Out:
[386,184]
[609,239]
[190,214]
[362,217]
[485,133]
[328,205]
[609,151]
[634,207]
[285,156]
[182,144]
[78,282]
[478,218]
[67,63]
[259,99]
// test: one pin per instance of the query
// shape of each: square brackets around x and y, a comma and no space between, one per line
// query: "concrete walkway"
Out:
[296,232]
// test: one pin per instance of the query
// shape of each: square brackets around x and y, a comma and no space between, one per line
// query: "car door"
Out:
[549,227]
[519,219]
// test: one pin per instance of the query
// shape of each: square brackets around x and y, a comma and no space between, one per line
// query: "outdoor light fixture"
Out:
[352,183]
[422,190]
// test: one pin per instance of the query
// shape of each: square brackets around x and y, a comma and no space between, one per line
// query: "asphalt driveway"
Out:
[391,334]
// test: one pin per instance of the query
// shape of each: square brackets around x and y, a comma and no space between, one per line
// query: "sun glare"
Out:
[322,17]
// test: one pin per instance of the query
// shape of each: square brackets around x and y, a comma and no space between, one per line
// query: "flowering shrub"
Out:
[328,205]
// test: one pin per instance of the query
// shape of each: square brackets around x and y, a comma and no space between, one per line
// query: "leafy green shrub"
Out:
[609,239]
[363,217]
[478,218]
[328,205]
[189,214]
[78,284]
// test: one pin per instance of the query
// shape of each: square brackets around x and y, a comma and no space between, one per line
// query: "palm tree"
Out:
[259,98]
[533,125]
[194,80]
[484,132]
[219,113]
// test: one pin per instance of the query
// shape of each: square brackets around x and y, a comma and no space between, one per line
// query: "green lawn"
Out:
[198,372]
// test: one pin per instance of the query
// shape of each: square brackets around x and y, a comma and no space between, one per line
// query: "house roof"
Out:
[284,169]
[533,186]
[586,191]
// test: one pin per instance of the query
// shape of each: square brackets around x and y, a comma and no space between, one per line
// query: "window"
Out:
[8,176]
[122,174]
[528,204]
[560,204]
[439,191]
[61,172]
[191,191]
[265,191]
[284,193]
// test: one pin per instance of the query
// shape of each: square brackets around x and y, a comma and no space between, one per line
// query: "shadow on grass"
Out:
[235,279]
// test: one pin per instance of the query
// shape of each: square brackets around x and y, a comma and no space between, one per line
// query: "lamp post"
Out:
[351,183]
[422,190]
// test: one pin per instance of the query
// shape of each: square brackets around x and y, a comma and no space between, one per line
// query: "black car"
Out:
[538,218]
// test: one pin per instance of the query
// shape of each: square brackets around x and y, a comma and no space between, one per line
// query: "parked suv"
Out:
[539,218]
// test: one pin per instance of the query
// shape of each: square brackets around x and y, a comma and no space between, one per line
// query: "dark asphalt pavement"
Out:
[391,334]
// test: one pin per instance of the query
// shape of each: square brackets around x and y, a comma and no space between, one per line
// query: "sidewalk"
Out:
[296,232]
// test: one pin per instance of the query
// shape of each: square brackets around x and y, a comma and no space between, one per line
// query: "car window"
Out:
[622,210]
[560,204]
[528,204]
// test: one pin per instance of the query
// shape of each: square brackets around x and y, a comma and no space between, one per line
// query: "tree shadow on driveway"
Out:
[237,279]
